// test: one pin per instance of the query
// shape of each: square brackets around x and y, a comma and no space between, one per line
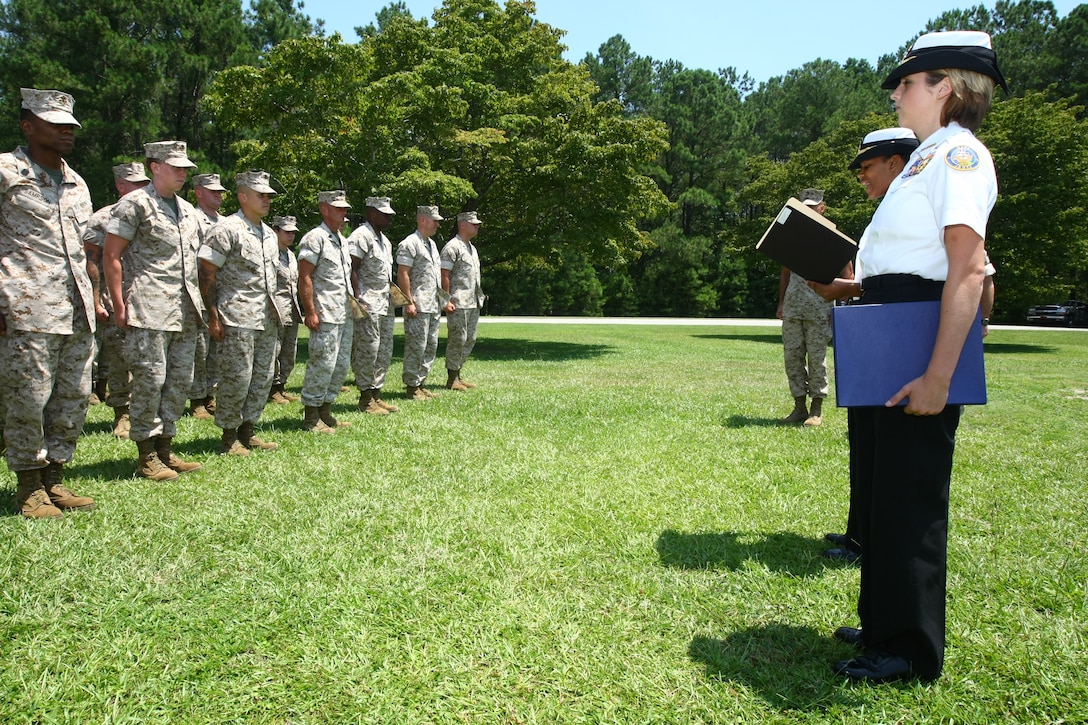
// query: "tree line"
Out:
[619,185]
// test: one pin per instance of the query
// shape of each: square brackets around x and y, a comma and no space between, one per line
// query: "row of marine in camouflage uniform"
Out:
[183,297]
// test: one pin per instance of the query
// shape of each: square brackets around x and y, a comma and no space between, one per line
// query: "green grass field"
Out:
[611,528]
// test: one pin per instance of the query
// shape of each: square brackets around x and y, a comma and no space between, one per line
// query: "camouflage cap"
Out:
[381,203]
[169,152]
[334,198]
[210,182]
[286,223]
[133,171]
[50,106]
[469,216]
[431,212]
[256,180]
[812,197]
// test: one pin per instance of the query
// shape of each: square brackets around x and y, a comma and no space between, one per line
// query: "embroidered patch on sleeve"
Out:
[962,158]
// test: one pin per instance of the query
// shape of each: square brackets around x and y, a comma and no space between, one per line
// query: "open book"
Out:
[807,243]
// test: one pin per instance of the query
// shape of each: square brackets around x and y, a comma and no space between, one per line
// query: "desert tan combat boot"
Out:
[325,413]
[452,381]
[464,382]
[121,422]
[199,410]
[278,396]
[247,438]
[59,495]
[415,393]
[31,497]
[799,414]
[312,422]
[815,415]
[377,395]
[229,445]
[368,404]
[149,465]
[164,450]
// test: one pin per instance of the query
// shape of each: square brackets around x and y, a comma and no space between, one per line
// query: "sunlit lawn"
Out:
[611,528]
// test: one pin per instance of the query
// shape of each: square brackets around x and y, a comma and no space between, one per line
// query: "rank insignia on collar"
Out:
[962,158]
[917,167]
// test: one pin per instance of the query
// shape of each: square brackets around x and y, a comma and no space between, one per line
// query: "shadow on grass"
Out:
[999,348]
[509,348]
[783,551]
[747,421]
[783,664]
[774,337]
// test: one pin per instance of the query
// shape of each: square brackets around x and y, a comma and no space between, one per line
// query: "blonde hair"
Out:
[972,93]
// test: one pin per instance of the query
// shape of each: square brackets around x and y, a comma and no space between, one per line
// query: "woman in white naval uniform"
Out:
[925,242]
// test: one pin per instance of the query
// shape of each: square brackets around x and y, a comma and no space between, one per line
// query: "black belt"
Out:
[900,288]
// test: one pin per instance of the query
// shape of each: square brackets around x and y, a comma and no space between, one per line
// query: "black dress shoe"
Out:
[843,554]
[876,667]
[850,635]
[837,539]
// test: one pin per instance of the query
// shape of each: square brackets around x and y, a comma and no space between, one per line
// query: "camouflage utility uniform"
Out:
[245,254]
[421,331]
[462,262]
[372,349]
[205,362]
[806,332]
[165,312]
[110,337]
[286,300]
[329,346]
[48,308]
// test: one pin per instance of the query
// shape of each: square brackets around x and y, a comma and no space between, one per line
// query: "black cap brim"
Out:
[980,60]
[888,147]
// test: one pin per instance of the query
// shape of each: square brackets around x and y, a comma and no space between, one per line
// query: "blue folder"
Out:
[881,348]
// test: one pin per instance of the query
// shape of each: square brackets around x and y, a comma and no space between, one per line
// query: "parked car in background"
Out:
[1067,314]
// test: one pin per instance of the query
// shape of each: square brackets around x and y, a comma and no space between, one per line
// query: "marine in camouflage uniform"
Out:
[290,313]
[111,339]
[419,276]
[151,270]
[806,332]
[46,305]
[324,283]
[461,279]
[238,283]
[372,271]
[208,191]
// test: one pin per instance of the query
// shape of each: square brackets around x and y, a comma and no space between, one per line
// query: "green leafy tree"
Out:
[270,22]
[477,110]
[793,110]
[1022,35]
[1036,235]
[138,71]
[622,75]
[1069,46]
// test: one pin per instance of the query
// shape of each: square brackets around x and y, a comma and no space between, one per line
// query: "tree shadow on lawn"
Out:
[788,666]
[747,421]
[1016,347]
[784,551]
[774,337]
[512,348]
[499,348]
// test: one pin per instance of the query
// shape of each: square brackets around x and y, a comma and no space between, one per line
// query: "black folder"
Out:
[807,243]
[881,348]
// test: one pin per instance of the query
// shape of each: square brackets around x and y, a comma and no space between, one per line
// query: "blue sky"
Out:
[765,38]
